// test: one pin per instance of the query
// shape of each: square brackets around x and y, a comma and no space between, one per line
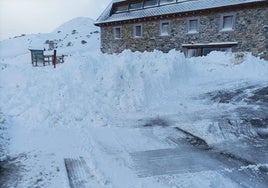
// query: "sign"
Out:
[38,55]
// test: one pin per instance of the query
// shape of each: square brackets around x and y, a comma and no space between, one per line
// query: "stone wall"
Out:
[250,31]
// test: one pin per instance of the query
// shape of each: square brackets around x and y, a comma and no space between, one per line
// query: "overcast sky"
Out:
[41,16]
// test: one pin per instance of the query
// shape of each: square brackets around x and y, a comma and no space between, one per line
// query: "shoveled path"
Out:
[187,158]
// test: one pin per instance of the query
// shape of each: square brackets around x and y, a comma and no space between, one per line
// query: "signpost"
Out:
[37,56]
[55,58]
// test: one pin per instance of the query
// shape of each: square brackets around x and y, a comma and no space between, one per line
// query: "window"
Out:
[164,30]
[149,3]
[193,25]
[166,1]
[134,6]
[117,33]
[203,51]
[206,51]
[137,31]
[229,49]
[121,8]
[227,22]
[195,52]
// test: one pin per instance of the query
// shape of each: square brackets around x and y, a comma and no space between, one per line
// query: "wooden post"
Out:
[55,58]
[36,61]
[32,58]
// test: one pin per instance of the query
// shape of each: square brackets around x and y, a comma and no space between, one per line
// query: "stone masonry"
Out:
[250,31]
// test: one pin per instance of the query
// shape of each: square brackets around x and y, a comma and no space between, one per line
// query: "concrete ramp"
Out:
[78,173]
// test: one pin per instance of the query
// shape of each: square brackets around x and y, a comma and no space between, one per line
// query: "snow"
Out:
[97,105]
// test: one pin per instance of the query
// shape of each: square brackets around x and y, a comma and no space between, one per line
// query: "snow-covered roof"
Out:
[117,1]
[180,7]
[210,44]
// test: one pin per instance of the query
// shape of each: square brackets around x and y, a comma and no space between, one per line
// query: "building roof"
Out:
[117,1]
[179,7]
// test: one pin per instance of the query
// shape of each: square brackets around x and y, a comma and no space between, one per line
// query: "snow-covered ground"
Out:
[123,114]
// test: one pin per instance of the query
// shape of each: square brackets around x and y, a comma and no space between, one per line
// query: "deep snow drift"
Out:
[97,105]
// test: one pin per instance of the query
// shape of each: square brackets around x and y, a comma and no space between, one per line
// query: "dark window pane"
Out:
[227,22]
[165,28]
[192,26]
[138,31]
[206,51]
[195,52]
[166,1]
[135,6]
[117,32]
[148,3]
[121,8]
[226,49]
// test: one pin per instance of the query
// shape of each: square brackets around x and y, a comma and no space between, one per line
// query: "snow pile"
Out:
[91,86]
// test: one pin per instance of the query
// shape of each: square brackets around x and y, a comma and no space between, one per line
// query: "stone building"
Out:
[195,27]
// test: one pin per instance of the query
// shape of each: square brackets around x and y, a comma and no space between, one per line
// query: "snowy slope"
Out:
[95,105]
[66,36]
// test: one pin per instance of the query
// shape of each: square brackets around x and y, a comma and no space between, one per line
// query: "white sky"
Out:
[41,16]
